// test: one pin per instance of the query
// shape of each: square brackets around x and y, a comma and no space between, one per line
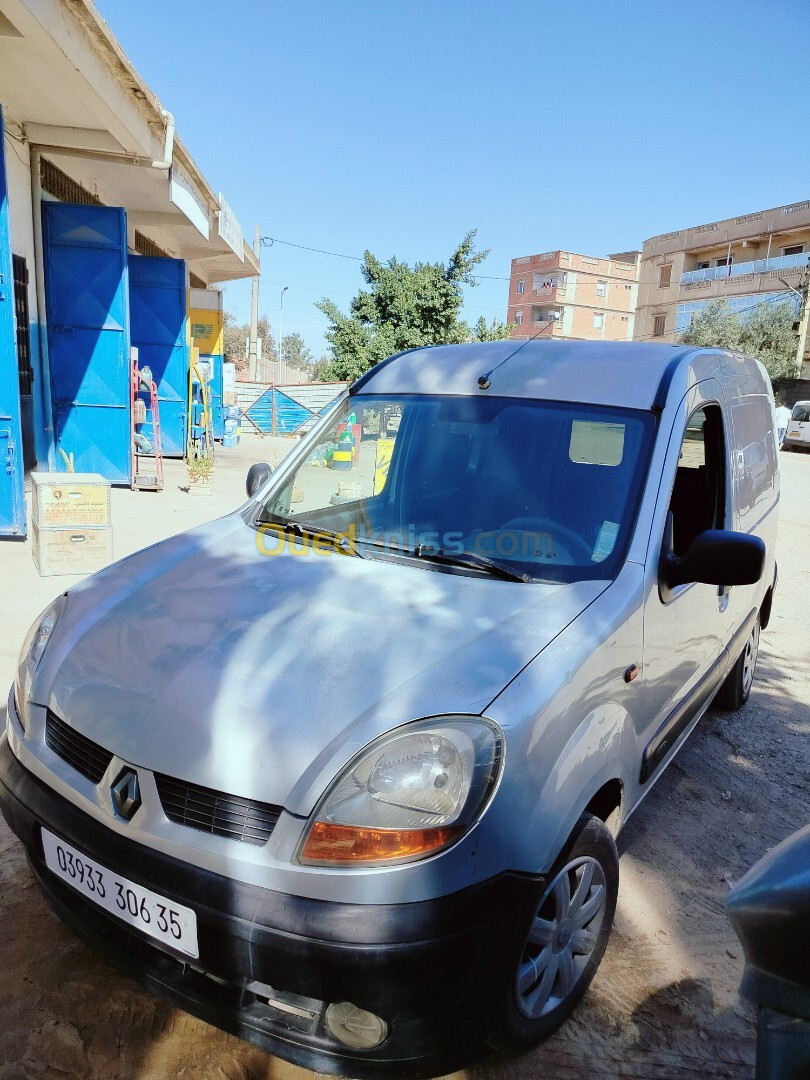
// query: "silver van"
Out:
[342,771]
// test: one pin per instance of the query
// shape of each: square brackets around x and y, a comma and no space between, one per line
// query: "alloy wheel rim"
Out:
[750,659]
[562,937]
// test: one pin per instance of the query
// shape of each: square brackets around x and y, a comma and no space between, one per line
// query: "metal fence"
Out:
[284,410]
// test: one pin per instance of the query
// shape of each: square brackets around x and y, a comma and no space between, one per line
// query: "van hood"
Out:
[261,676]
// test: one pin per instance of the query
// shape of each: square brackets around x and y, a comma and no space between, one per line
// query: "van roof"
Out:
[625,373]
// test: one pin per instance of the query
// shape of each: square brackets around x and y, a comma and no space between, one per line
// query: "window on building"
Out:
[664,276]
[518,318]
[727,261]
[521,286]
[703,265]
[793,249]
[659,324]
[598,320]
[601,288]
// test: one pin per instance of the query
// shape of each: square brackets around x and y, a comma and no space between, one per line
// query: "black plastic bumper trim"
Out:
[436,971]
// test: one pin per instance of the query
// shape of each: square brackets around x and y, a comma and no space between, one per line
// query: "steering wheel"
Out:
[571,544]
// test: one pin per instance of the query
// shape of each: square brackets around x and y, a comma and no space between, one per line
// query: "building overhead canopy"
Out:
[68,88]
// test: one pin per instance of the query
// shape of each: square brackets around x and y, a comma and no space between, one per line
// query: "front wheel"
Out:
[734,692]
[567,938]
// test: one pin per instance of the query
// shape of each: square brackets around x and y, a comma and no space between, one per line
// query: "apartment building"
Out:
[564,295]
[745,260]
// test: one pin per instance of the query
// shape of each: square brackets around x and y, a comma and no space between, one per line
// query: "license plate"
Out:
[149,912]
[795,434]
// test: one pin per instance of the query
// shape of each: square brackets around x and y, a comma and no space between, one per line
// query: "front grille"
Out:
[187,804]
[86,757]
[215,812]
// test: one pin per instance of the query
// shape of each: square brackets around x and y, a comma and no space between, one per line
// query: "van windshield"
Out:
[545,490]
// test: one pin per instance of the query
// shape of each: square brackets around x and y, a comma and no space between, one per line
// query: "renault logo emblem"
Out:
[126,794]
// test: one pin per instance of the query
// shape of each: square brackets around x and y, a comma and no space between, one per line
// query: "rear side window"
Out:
[755,458]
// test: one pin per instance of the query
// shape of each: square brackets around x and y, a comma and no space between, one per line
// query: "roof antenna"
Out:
[484,381]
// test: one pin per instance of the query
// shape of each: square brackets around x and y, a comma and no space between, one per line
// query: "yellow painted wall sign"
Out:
[206,330]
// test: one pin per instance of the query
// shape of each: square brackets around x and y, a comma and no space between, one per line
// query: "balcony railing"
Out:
[757,266]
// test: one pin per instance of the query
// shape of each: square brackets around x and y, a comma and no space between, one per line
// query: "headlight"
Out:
[31,653]
[407,795]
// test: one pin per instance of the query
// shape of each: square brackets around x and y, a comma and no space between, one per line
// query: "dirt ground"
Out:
[664,1004]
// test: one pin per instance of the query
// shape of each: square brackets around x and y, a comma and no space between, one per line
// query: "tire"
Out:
[734,692]
[564,947]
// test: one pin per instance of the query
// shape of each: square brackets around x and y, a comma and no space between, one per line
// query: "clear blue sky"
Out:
[582,125]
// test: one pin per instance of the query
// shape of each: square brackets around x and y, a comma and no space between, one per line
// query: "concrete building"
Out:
[110,238]
[564,295]
[745,260]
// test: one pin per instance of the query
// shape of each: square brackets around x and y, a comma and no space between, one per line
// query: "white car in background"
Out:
[798,429]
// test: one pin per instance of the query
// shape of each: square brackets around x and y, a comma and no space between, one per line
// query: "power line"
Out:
[269,241]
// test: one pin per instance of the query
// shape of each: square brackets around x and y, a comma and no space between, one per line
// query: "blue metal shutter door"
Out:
[88,335]
[157,303]
[12,500]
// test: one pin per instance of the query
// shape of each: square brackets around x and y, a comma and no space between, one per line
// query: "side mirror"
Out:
[258,474]
[717,557]
[769,909]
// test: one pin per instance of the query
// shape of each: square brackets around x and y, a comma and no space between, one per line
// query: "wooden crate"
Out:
[63,499]
[77,550]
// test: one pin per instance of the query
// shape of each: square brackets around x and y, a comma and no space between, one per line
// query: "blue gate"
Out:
[157,305]
[88,335]
[12,501]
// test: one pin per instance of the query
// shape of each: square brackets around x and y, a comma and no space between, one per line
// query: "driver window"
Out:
[699,492]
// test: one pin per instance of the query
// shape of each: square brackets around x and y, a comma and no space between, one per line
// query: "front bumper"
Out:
[436,971]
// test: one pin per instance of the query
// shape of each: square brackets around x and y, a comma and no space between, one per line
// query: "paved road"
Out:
[664,1004]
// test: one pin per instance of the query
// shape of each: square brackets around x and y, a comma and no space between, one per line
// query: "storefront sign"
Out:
[188,198]
[229,229]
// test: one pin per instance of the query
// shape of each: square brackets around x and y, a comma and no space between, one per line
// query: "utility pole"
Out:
[282,371]
[254,316]
[804,318]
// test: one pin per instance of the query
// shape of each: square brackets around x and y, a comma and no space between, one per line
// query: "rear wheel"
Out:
[734,692]
[567,938]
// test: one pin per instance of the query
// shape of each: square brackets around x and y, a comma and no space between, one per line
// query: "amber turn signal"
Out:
[342,844]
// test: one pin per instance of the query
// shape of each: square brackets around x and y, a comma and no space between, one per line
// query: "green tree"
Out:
[235,334]
[768,334]
[320,369]
[403,307]
[233,338]
[494,331]
[295,353]
[765,332]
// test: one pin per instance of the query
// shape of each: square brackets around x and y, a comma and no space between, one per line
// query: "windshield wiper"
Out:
[301,528]
[469,559]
